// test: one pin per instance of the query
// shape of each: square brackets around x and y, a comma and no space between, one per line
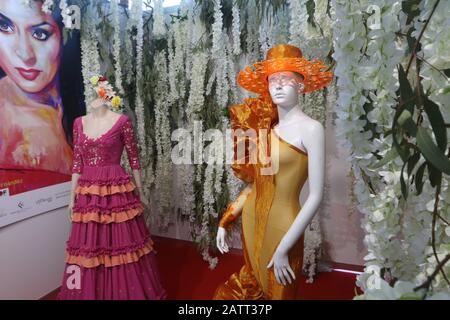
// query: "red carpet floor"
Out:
[186,276]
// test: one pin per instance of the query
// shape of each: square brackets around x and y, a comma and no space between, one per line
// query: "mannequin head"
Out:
[98,103]
[284,88]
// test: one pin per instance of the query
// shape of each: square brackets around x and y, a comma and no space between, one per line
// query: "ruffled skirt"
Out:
[110,252]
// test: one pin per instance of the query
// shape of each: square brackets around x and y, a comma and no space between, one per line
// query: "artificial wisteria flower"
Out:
[397,231]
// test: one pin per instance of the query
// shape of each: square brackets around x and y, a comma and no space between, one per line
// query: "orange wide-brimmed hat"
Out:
[285,57]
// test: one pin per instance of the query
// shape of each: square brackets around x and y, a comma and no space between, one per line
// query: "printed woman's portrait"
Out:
[38,99]
[41,93]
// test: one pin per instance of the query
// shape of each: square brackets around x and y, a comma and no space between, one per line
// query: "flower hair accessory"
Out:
[105,90]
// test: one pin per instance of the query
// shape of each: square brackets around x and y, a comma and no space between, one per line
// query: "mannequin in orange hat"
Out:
[273,222]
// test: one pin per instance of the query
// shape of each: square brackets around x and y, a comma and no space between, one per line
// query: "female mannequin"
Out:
[273,233]
[110,252]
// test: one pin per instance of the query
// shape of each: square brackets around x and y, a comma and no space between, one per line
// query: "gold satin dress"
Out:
[255,281]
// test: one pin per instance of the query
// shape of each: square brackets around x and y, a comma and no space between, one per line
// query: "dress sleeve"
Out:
[77,166]
[130,143]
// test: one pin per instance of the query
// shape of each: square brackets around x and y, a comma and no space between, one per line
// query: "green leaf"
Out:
[406,92]
[446,90]
[424,142]
[431,152]
[446,72]
[410,40]
[405,120]
[329,8]
[437,123]
[226,112]
[410,296]
[388,157]
[310,9]
[411,8]
[435,175]
[401,149]
[412,162]
[418,179]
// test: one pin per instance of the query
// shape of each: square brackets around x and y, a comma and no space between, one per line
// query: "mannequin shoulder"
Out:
[311,127]
[313,135]
[125,121]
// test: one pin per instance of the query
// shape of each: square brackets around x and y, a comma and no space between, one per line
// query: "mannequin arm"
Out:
[131,148]
[234,209]
[75,177]
[231,214]
[138,181]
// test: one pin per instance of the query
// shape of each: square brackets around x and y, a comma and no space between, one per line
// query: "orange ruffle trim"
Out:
[105,190]
[110,261]
[115,217]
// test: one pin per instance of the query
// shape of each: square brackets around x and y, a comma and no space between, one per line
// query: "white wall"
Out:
[32,254]
[342,232]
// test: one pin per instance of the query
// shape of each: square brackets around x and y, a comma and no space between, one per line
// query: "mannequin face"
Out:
[284,88]
[99,103]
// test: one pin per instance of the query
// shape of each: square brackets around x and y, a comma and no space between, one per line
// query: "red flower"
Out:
[102,78]
[102,93]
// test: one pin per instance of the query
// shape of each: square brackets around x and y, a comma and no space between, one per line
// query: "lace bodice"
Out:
[107,149]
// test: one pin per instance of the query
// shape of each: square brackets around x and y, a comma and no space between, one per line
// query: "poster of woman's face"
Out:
[40,95]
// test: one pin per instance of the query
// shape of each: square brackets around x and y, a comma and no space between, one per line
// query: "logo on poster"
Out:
[44,200]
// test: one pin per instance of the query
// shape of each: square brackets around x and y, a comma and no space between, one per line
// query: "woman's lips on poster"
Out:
[29,74]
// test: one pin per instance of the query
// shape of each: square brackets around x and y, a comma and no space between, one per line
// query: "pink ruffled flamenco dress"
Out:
[109,253]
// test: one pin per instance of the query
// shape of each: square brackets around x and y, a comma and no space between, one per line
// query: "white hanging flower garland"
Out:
[139,109]
[159,28]
[297,23]
[163,144]
[90,59]
[397,232]
[117,45]
[236,30]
